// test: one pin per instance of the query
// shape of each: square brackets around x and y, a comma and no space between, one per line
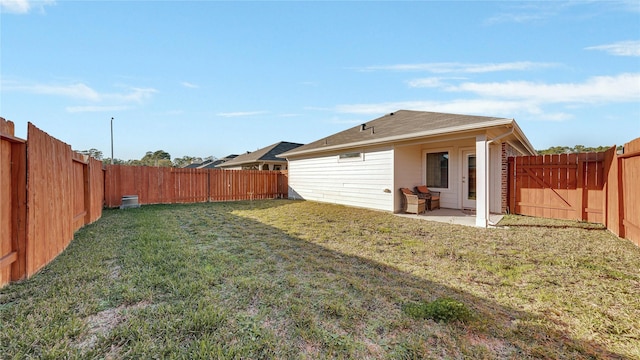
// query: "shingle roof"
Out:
[400,125]
[268,153]
[192,166]
[214,163]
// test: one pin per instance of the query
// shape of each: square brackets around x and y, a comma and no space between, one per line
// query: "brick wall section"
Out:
[507,151]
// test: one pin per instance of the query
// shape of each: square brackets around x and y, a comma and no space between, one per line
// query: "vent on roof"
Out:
[390,114]
[363,127]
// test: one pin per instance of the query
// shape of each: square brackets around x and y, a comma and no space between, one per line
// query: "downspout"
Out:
[489,157]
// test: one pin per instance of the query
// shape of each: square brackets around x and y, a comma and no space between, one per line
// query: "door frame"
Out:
[464,177]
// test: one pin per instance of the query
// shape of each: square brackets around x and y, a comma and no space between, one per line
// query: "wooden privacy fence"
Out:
[164,185]
[47,192]
[595,187]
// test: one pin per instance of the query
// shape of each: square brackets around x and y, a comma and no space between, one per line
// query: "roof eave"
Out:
[523,139]
[411,136]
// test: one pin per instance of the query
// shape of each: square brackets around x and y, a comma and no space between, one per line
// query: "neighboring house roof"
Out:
[192,166]
[209,163]
[404,125]
[265,154]
[214,163]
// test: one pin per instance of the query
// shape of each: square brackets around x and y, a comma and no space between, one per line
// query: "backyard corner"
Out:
[295,279]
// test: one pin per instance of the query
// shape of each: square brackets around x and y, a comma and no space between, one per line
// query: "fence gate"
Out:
[563,186]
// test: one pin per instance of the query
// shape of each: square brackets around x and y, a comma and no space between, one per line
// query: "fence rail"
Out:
[156,185]
[595,187]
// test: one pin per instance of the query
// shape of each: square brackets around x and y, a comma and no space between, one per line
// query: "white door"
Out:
[468,179]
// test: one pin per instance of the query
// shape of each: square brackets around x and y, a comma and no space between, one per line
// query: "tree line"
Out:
[574,149]
[163,158]
[151,158]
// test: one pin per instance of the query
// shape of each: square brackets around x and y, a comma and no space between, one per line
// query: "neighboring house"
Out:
[214,163]
[193,165]
[261,159]
[209,163]
[464,157]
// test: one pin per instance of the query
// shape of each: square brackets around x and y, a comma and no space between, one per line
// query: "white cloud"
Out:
[631,5]
[516,18]
[432,82]
[23,6]
[602,89]
[90,108]
[517,98]
[621,48]
[15,6]
[453,67]
[241,113]
[189,85]
[460,106]
[137,95]
[81,91]
[96,101]
[77,91]
[534,11]
[484,107]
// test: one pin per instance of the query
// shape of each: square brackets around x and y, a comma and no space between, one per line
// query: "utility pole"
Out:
[112,141]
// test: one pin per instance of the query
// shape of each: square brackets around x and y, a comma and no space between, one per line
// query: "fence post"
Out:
[87,192]
[579,207]
[19,209]
[621,226]
[511,188]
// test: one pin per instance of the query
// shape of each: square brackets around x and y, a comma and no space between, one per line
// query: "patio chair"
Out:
[411,203]
[432,197]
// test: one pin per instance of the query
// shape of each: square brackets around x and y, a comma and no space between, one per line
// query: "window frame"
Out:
[351,156]
[449,152]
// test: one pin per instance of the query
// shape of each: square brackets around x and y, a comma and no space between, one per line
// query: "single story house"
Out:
[463,157]
[261,159]
[209,163]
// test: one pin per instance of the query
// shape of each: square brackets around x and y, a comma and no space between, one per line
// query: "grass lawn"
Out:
[293,279]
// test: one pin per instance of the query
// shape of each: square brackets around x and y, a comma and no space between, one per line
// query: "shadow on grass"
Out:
[538,222]
[213,283]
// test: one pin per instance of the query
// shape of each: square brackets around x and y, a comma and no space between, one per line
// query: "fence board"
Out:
[78,193]
[65,192]
[567,186]
[629,166]
[7,253]
[51,211]
[596,187]
[155,185]
[6,247]
[12,203]
[96,190]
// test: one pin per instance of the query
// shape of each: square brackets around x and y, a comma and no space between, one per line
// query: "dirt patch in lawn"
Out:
[104,322]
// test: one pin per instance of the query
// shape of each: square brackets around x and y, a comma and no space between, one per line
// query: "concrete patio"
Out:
[453,216]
